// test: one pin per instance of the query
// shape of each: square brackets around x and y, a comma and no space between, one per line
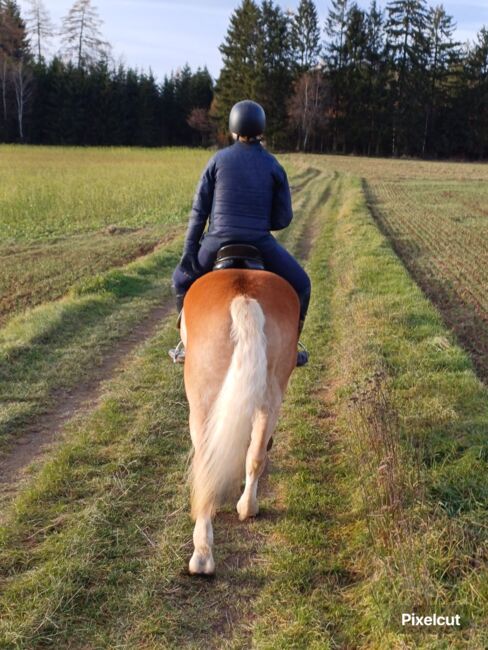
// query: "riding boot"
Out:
[302,355]
[180,297]
[178,353]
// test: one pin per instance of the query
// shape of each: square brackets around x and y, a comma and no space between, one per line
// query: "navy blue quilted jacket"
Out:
[245,193]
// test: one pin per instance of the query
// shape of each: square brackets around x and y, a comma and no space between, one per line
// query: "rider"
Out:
[244,193]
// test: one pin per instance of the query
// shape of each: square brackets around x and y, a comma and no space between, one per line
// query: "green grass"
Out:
[67,213]
[34,274]
[48,192]
[440,229]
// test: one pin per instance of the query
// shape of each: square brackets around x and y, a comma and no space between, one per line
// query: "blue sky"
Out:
[164,34]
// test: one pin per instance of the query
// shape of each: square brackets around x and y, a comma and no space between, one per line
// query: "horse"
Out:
[240,331]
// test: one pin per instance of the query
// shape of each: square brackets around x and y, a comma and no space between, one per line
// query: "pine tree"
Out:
[355,82]
[305,36]
[475,100]
[239,74]
[355,37]
[273,69]
[443,53]
[376,73]
[335,28]
[406,34]
[40,25]
[81,37]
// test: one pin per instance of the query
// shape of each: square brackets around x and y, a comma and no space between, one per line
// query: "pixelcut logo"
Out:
[414,620]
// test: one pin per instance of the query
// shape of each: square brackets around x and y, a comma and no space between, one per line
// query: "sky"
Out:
[163,35]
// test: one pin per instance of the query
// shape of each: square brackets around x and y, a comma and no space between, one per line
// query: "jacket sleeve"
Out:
[281,210]
[201,207]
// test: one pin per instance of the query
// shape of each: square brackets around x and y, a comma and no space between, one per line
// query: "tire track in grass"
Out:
[36,438]
[115,327]
[303,566]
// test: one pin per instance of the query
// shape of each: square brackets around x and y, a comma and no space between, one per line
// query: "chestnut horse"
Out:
[240,331]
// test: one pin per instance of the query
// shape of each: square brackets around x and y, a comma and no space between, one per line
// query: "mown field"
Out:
[375,500]
[436,216]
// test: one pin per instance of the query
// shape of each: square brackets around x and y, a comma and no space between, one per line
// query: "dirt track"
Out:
[47,429]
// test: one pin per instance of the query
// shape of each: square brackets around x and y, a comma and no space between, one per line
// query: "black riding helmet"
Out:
[247,118]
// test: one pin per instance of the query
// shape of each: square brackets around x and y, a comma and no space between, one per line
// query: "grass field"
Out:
[376,497]
[69,213]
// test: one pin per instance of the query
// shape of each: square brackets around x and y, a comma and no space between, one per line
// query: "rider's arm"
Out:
[281,210]
[201,208]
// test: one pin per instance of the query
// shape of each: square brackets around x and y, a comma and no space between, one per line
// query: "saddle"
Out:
[239,256]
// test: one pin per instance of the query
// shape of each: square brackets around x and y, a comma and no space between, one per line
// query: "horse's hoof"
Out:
[201,565]
[245,510]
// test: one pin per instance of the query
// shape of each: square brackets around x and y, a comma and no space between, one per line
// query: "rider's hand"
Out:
[189,262]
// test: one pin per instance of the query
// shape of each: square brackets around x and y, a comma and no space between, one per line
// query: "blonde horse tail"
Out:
[219,462]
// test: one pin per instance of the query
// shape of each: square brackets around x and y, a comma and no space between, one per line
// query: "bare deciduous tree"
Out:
[40,25]
[4,62]
[13,46]
[81,36]
[22,83]
[199,119]
[308,106]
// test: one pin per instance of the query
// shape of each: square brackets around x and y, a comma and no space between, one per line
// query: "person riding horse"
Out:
[244,193]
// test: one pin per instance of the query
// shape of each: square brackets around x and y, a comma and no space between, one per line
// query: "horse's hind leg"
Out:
[263,428]
[202,561]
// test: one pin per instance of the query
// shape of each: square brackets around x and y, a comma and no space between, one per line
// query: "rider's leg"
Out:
[182,281]
[278,260]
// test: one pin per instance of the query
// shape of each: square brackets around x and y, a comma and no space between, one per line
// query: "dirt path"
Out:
[38,438]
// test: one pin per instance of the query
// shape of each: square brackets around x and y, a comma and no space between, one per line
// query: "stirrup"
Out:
[302,355]
[178,353]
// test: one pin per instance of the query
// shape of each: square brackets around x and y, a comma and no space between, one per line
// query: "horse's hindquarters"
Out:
[209,345]
[241,331]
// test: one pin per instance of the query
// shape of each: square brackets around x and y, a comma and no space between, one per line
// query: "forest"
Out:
[391,80]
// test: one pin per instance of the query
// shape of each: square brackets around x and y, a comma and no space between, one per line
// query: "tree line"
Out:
[389,80]
[382,81]
[80,96]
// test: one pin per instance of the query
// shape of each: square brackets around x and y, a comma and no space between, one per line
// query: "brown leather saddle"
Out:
[239,256]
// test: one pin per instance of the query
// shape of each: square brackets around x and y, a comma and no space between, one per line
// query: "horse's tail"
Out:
[219,463]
